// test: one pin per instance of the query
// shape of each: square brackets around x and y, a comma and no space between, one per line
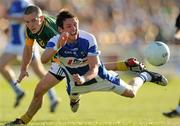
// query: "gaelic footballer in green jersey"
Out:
[47,31]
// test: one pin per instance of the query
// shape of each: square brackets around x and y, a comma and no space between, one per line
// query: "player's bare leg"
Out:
[9,75]
[40,71]
[144,76]
[42,87]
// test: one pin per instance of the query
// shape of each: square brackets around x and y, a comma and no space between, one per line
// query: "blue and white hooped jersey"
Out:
[74,56]
[17,29]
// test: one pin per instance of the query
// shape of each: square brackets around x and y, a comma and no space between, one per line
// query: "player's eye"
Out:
[34,19]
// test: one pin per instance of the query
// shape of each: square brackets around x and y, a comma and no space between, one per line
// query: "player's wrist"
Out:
[83,79]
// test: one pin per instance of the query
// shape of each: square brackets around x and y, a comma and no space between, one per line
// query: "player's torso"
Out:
[16,9]
[74,58]
[47,31]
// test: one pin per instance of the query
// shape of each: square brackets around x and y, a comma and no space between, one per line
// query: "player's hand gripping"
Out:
[134,65]
[79,80]
[23,74]
[62,39]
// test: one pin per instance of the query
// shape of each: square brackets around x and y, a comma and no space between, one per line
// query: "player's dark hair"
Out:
[31,9]
[62,16]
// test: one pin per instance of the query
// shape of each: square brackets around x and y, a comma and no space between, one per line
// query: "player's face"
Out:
[33,22]
[71,25]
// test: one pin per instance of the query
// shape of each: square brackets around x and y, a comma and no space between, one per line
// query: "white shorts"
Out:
[99,85]
[56,69]
[14,49]
[18,50]
[96,84]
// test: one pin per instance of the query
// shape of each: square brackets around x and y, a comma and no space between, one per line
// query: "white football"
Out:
[157,53]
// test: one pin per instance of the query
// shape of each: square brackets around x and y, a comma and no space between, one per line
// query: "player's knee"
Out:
[129,93]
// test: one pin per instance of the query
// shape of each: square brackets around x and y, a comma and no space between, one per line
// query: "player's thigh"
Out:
[56,69]
[47,82]
[6,58]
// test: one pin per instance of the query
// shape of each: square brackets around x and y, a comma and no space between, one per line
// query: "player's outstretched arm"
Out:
[27,56]
[91,73]
[50,52]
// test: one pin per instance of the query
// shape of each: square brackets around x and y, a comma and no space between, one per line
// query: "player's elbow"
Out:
[44,60]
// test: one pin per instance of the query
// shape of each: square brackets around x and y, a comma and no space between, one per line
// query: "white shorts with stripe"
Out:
[56,69]
[96,84]
[99,85]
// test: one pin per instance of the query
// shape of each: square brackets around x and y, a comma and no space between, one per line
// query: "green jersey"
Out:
[47,31]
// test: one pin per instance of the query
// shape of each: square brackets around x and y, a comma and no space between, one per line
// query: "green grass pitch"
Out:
[97,108]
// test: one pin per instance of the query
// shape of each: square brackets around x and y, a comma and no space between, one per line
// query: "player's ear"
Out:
[41,18]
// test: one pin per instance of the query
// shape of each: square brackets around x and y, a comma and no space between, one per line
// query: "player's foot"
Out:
[74,105]
[15,123]
[18,99]
[157,78]
[171,114]
[54,106]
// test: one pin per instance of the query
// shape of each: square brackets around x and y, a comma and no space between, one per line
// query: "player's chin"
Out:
[73,37]
[34,31]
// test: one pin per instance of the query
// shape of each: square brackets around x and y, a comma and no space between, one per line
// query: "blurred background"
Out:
[123,27]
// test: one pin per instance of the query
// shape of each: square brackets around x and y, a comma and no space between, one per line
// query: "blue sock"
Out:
[16,88]
[52,95]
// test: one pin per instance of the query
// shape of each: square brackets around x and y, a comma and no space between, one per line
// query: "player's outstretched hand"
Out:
[134,65]
[22,75]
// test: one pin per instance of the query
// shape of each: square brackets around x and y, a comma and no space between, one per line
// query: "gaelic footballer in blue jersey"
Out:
[78,55]
[14,13]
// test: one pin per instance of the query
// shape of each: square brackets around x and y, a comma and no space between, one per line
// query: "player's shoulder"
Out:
[86,35]
[54,39]
[49,18]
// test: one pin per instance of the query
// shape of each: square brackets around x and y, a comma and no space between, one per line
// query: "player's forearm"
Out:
[93,68]
[47,55]
[92,73]
[27,56]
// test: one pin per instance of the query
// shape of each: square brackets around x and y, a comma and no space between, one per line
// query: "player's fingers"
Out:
[20,79]
[65,36]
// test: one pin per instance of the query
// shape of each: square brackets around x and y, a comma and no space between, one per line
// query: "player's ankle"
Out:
[25,118]
[178,109]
